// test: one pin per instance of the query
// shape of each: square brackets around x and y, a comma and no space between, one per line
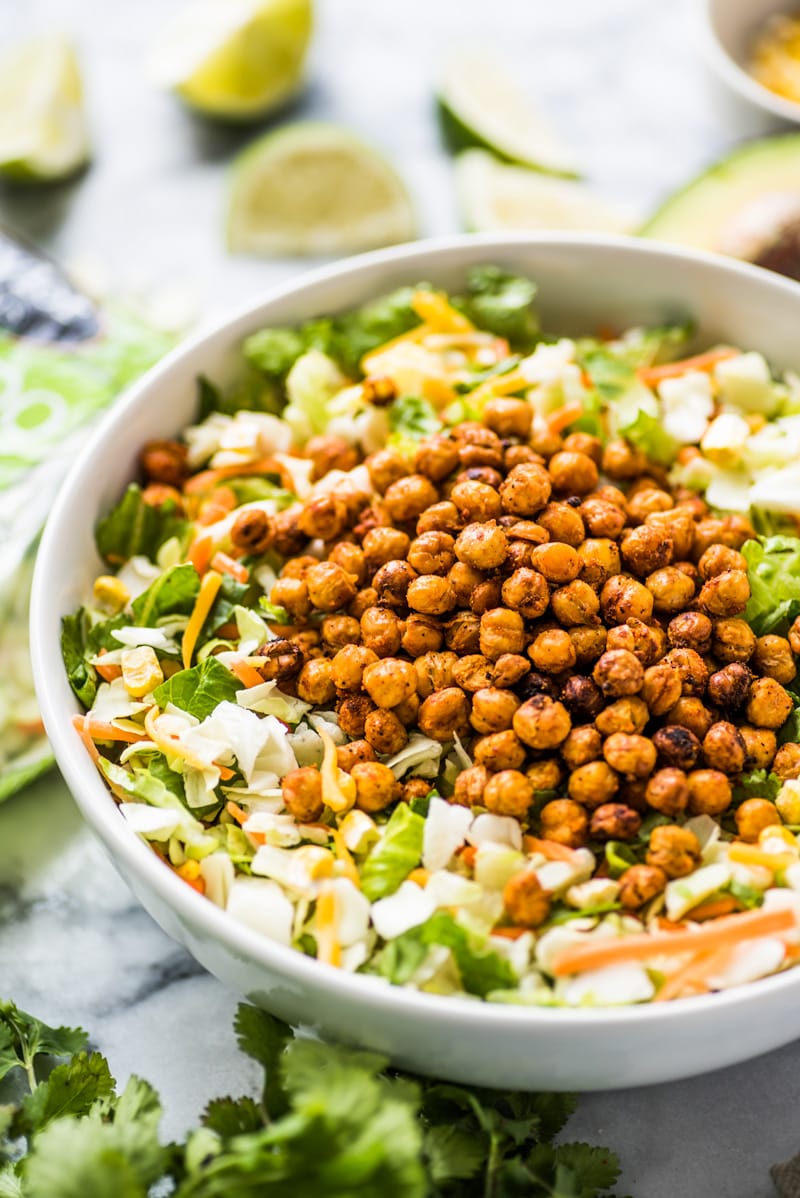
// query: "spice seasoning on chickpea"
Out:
[508,640]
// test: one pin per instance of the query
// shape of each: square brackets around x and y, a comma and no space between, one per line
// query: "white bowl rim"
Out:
[99,809]
[739,79]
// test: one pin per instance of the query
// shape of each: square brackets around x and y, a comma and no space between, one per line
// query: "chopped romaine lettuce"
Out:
[200,690]
[82,676]
[411,418]
[773,568]
[134,526]
[173,593]
[482,970]
[395,855]
[501,303]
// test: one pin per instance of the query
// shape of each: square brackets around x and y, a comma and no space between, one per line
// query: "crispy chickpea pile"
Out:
[552,603]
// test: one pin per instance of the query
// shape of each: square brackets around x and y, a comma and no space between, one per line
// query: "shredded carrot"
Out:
[81,725]
[713,909]
[550,849]
[420,876]
[99,730]
[686,977]
[560,419]
[157,494]
[206,480]
[750,854]
[435,310]
[726,931]
[225,773]
[225,564]
[209,589]
[108,673]
[467,854]
[246,674]
[189,872]
[510,933]
[200,552]
[329,950]
[238,813]
[219,504]
[652,375]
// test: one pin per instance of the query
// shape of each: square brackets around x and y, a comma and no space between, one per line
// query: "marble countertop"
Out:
[626,84]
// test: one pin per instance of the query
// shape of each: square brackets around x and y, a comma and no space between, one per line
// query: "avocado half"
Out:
[747,206]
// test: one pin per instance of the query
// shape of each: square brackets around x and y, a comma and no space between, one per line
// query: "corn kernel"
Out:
[189,871]
[769,838]
[788,802]
[141,671]
[110,593]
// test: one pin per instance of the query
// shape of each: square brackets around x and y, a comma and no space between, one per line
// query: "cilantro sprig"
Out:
[327,1121]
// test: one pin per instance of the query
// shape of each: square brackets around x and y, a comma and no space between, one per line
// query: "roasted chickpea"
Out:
[579,442]
[563,523]
[436,457]
[618,673]
[729,687]
[353,711]
[593,784]
[760,747]
[469,787]
[615,821]
[677,747]
[509,669]
[432,553]
[302,794]
[508,793]
[753,816]
[734,640]
[525,490]
[462,633]
[365,598]
[573,473]
[600,560]
[431,595]
[350,558]
[773,657]
[493,710]
[483,545]
[645,641]
[527,904]
[602,518]
[565,822]
[292,593]
[542,723]
[787,762]
[324,516]
[382,545]
[678,524]
[477,444]
[384,732]
[464,580]
[645,502]
[421,634]
[440,517]
[444,714]
[623,598]
[691,713]
[552,651]
[386,467]
[581,746]
[347,667]
[717,559]
[376,786]
[380,631]
[526,591]
[389,681]
[252,531]
[768,705]
[671,589]
[434,672]
[280,660]
[408,710]
[330,453]
[794,636]
[662,688]
[709,792]
[499,751]
[724,748]
[582,697]
[588,641]
[725,594]
[690,630]
[476,501]
[473,672]
[576,603]
[315,684]
[674,850]
[508,417]
[330,588]
[646,549]
[408,498]
[545,775]
[628,715]
[691,667]
[501,631]
[520,455]
[639,885]
[668,792]
[415,788]
[558,563]
[353,752]
[622,461]
[338,631]
[287,539]
[631,755]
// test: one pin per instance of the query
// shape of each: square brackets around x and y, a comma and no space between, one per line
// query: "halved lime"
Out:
[235,59]
[481,105]
[43,133]
[314,188]
[494,196]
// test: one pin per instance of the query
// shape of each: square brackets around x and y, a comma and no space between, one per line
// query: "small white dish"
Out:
[731,29]
[585,282]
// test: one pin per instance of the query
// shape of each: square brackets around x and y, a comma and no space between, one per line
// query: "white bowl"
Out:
[586,282]
[732,27]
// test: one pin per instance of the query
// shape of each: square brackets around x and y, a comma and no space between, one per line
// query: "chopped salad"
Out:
[451,652]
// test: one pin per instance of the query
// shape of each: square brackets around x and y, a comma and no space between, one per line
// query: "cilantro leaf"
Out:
[173,593]
[760,784]
[264,1038]
[10,1184]
[501,303]
[200,689]
[453,1153]
[232,1116]
[71,1089]
[413,417]
[274,351]
[134,526]
[572,1170]
[23,1038]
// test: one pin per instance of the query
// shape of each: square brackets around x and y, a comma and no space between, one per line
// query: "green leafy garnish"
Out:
[412,417]
[82,676]
[273,612]
[773,568]
[481,969]
[173,593]
[134,526]
[199,690]
[759,784]
[395,855]
[501,303]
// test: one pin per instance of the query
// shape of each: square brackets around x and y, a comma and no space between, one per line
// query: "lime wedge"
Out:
[43,134]
[481,105]
[313,188]
[235,59]
[494,196]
